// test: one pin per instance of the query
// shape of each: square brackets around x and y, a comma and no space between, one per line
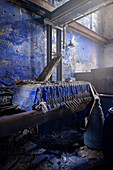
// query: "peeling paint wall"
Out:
[102,23]
[22,44]
[83,57]
[93,22]
[56,3]
[86,54]
[23,47]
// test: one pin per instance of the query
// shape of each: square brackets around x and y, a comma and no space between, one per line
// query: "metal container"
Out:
[93,133]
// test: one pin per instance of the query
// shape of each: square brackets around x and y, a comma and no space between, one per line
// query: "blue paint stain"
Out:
[22,46]
[83,57]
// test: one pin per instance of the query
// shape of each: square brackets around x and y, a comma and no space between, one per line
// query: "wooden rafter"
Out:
[82,30]
[76,9]
[44,4]
[86,32]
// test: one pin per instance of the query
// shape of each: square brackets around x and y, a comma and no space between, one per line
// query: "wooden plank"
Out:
[86,32]
[14,123]
[49,69]
[17,122]
[6,108]
[53,24]
[44,4]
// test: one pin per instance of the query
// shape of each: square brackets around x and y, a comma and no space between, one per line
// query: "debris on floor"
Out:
[61,150]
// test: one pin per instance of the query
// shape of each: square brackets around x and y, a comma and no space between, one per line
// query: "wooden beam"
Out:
[28,6]
[7,108]
[44,4]
[49,69]
[110,41]
[76,9]
[17,122]
[86,32]
[54,25]
[82,30]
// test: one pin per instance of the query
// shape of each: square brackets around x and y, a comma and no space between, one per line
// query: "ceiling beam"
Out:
[86,32]
[28,6]
[54,25]
[76,9]
[44,4]
[82,30]
[39,7]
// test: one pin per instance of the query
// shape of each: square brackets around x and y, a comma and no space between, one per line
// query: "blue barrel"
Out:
[107,137]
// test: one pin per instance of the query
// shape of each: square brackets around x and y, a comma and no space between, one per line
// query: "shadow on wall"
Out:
[101,79]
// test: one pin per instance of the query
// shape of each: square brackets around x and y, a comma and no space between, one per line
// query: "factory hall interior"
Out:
[56,84]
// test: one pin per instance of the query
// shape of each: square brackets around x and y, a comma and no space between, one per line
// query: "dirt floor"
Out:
[60,150]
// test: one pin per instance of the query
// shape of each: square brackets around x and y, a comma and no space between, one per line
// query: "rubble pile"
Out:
[59,150]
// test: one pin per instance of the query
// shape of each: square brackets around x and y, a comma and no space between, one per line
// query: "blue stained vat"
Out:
[28,95]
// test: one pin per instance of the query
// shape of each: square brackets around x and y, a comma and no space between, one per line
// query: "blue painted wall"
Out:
[23,51]
[93,22]
[23,47]
[56,3]
[22,44]
[83,57]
